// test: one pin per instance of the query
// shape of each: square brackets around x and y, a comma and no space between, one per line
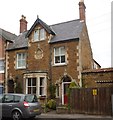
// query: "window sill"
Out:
[55,65]
[20,68]
[2,72]
[34,41]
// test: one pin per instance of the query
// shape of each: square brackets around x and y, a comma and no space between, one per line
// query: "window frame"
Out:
[38,85]
[42,87]
[31,86]
[21,60]
[2,66]
[60,55]
[39,35]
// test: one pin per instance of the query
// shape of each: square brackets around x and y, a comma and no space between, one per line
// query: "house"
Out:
[5,38]
[47,55]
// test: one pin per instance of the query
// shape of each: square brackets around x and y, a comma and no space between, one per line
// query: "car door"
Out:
[7,105]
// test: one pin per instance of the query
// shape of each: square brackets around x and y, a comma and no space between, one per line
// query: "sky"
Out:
[98,20]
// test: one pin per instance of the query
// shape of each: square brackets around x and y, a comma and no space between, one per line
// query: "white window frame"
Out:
[38,85]
[42,87]
[39,34]
[60,55]
[31,85]
[2,66]
[21,60]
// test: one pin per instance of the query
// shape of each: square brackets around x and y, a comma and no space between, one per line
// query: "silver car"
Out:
[19,106]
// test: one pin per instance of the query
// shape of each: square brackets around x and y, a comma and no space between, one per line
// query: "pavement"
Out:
[55,116]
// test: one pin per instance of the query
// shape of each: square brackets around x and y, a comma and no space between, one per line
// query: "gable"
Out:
[44,25]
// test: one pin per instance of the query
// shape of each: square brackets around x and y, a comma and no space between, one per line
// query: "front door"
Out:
[65,92]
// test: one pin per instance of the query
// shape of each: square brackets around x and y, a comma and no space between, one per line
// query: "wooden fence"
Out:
[91,101]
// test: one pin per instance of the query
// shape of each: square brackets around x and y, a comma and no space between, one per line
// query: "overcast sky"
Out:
[98,20]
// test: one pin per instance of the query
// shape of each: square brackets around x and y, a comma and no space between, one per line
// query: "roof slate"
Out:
[61,32]
[67,31]
[20,42]
[7,35]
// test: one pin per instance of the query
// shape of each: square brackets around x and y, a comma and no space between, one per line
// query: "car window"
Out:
[8,98]
[31,98]
[17,98]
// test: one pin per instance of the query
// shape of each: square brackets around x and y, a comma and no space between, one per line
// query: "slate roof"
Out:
[67,31]
[7,35]
[20,42]
[62,32]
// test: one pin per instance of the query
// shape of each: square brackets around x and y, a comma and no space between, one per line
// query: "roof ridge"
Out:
[64,22]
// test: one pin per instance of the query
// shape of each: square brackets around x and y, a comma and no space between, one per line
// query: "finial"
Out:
[37,16]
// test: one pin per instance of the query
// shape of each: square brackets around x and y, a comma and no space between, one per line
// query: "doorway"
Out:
[65,89]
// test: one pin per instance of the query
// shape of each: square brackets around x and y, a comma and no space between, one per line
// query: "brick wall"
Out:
[12,72]
[98,78]
[2,57]
[71,67]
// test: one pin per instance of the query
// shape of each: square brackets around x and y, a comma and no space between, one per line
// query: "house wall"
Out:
[85,57]
[12,72]
[34,61]
[98,79]
[71,64]
[2,57]
[85,50]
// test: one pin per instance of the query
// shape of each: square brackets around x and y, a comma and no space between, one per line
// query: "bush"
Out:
[51,104]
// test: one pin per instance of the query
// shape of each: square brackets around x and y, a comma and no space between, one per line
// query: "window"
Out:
[31,85]
[8,98]
[57,90]
[31,98]
[1,66]
[21,60]
[17,98]
[39,34]
[59,55]
[41,86]
[36,85]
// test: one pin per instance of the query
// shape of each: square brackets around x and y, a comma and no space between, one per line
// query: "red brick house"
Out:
[49,54]
[5,38]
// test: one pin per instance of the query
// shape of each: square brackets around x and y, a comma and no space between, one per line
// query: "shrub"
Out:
[51,104]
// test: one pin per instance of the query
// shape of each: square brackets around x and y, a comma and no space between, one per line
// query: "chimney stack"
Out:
[23,24]
[82,8]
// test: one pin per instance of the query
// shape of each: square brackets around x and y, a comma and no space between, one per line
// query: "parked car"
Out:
[19,106]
